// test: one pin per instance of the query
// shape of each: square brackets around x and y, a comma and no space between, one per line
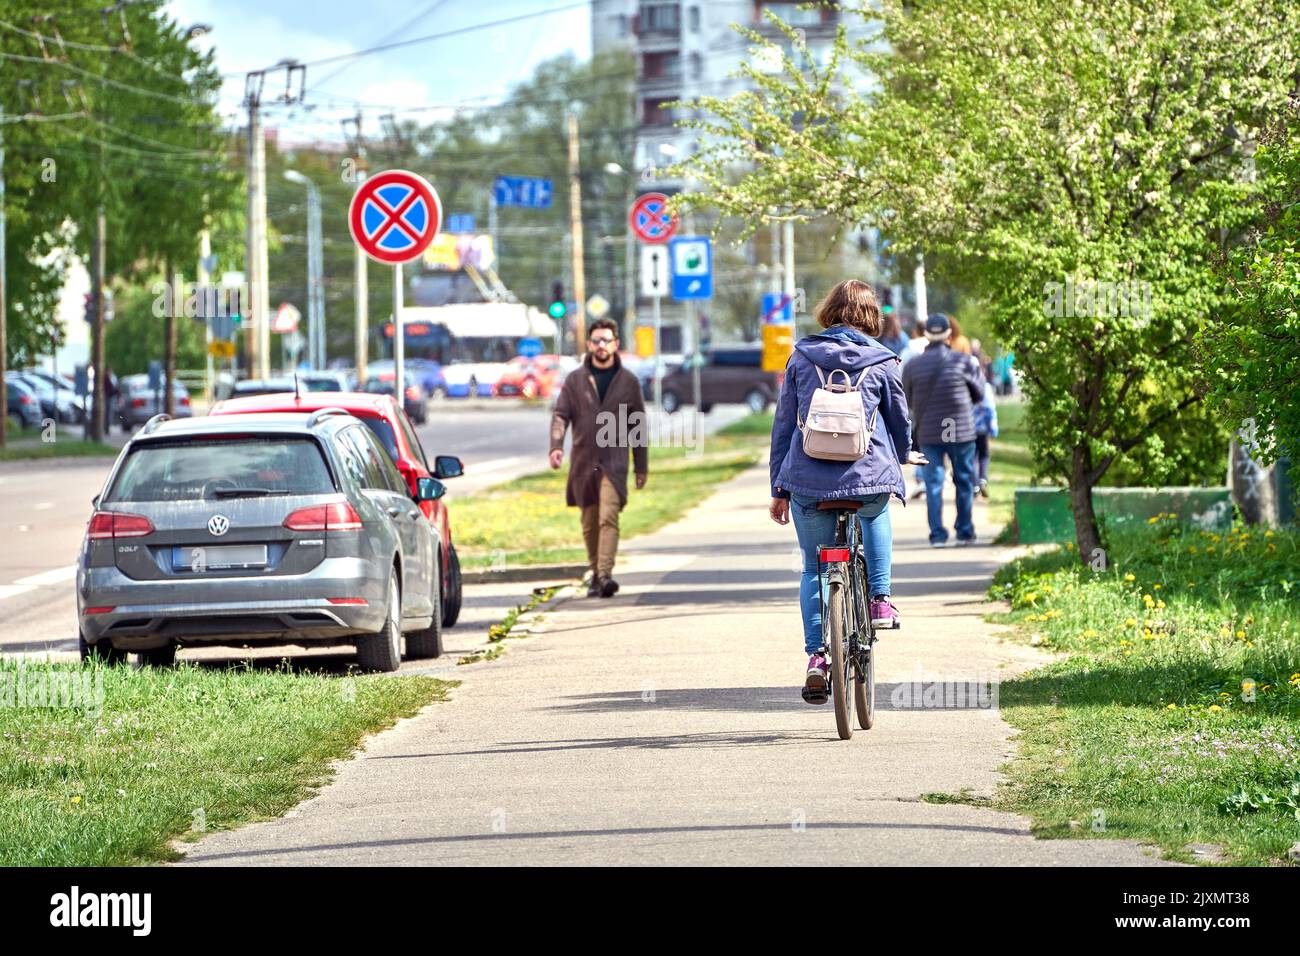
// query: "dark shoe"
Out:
[917,492]
[593,589]
[608,587]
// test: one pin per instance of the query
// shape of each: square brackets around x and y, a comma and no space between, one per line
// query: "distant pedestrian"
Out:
[601,402]
[942,387]
[891,334]
[986,427]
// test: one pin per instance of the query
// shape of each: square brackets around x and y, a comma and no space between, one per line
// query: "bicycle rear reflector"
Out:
[835,554]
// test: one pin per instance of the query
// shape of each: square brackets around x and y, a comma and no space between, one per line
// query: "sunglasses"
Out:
[601,341]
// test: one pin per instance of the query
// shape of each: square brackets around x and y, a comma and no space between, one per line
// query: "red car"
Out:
[394,431]
[536,377]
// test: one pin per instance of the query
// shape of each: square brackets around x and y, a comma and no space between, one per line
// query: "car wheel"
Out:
[103,653]
[453,591]
[756,401]
[428,642]
[159,656]
[382,651]
[670,402]
[705,409]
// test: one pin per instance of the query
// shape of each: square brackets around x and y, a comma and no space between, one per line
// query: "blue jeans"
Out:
[815,528]
[962,455]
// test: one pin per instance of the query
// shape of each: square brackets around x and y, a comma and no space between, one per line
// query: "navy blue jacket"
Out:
[878,471]
[942,388]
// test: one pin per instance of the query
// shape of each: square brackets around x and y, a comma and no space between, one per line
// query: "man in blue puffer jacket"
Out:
[850,317]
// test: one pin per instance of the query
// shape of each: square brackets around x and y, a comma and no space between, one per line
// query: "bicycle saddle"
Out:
[839,505]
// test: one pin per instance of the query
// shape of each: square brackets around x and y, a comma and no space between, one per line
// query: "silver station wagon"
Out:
[253,530]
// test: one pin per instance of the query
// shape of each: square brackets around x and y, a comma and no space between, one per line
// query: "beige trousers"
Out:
[600,529]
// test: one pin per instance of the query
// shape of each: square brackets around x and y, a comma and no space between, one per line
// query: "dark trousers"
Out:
[982,457]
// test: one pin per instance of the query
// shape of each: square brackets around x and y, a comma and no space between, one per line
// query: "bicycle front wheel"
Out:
[841,677]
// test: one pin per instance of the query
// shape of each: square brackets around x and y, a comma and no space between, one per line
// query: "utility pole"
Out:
[97,332]
[360,284]
[257,264]
[575,229]
[4,317]
[315,300]
[922,299]
[787,273]
[210,307]
[169,338]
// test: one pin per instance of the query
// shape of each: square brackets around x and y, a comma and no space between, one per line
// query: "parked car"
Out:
[538,376]
[256,530]
[60,404]
[72,408]
[137,402]
[24,404]
[393,429]
[424,371]
[472,379]
[415,402]
[727,375]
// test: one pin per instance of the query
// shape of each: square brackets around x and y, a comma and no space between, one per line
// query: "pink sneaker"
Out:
[814,688]
[884,616]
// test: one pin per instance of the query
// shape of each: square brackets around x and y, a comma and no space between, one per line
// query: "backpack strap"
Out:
[858,383]
[821,375]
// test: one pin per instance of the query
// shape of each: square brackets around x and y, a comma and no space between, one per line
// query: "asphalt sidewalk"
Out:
[665,726]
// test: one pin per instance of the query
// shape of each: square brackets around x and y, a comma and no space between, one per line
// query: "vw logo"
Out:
[218,525]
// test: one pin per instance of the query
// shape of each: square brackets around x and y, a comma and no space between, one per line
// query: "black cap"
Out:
[938,324]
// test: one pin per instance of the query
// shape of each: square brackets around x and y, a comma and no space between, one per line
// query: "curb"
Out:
[564,573]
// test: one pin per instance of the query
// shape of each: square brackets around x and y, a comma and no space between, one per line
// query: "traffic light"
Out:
[887,300]
[558,309]
[90,309]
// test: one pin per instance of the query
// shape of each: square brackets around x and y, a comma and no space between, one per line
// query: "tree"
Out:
[1079,164]
[1252,350]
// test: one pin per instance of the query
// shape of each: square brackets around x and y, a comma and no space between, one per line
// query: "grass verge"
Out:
[29,445]
[1174,714]
[526,521]
[170,752]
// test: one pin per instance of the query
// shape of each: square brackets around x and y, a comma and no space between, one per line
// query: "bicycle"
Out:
[848,635]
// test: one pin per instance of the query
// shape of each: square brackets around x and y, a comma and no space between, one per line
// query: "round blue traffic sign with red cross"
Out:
[394,216]
[650,219]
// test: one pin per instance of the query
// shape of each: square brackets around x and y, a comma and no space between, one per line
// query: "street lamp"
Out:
[315,299]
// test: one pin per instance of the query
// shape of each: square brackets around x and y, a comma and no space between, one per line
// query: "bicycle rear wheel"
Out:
[837,636]
[864,688]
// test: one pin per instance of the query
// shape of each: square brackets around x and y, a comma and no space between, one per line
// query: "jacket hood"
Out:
[843,347]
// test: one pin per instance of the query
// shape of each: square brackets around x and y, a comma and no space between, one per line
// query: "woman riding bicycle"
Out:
[850,318]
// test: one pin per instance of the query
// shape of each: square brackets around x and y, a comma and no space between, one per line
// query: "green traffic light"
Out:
[558,310]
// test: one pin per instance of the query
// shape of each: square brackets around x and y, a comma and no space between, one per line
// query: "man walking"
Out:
[942,386]
[601,402]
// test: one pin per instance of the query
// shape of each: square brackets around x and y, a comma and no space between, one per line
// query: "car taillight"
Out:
[100,610]
[354,602]
[337,516]
[835,554]
[117,524]
[25,399]
[411,393]
[185,401]
[137,403]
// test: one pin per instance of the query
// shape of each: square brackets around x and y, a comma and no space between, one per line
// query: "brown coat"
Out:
[600,445]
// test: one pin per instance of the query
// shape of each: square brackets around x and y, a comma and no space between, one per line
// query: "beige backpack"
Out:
[836,428]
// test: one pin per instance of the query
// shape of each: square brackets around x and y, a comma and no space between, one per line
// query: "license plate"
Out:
[221,558]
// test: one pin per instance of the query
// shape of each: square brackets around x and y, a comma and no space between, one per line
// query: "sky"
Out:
[476,66]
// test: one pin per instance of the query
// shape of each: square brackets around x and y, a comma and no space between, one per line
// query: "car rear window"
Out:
[384,432]
[197,469]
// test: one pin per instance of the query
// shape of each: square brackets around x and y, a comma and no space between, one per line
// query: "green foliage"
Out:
[121,114]
[1252,349]
[135,336]
[1173,702]
[1033,145]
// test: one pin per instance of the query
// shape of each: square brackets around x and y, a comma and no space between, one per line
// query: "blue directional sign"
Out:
[460,223]
[528,192]
[530,348]
[691,260]
[777,307]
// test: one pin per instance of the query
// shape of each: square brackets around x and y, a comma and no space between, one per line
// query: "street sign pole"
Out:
[659,359]
[399,339]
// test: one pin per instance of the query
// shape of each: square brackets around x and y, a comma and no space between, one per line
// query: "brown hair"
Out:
[603,324]
[851,303]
